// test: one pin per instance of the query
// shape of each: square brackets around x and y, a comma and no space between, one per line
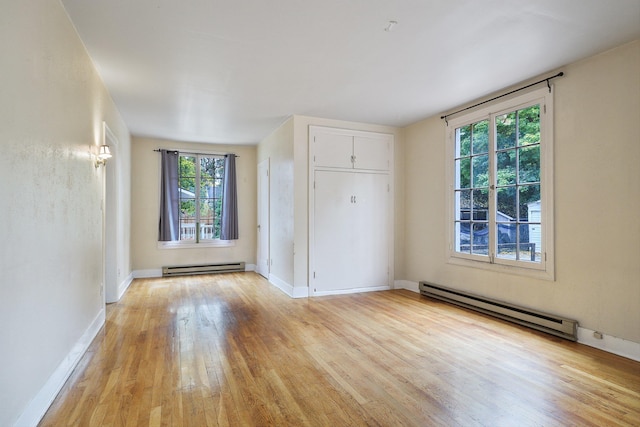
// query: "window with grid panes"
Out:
[501,185]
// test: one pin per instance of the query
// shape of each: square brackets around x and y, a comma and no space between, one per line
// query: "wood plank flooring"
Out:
[232,350]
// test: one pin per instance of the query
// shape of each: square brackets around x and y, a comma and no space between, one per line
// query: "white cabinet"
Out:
[351,239]
[340,148]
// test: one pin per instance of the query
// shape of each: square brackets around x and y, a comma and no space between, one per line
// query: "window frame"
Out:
[545,269]
[197,243]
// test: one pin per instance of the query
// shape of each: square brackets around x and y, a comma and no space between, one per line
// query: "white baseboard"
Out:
[38,406]
[406,284]
[611,344]
[281,284]
[146,274]
[124,285]
[351,291]
[300,292]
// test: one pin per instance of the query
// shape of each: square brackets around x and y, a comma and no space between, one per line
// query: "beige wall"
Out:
[597,200]
[52,105]
[145,205]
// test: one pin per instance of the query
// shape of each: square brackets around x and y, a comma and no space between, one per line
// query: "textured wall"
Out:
[52,105]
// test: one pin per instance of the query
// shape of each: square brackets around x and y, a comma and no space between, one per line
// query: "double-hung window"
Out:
[500,192]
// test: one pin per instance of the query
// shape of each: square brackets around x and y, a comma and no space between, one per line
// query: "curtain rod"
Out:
[191,152]
[560,74]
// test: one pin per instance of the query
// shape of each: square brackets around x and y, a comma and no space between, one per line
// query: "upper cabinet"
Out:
[349,149]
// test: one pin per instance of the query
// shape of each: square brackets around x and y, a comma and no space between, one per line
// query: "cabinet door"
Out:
[333,231]
[332,149]
[372,152]
[371,230]
[351,235]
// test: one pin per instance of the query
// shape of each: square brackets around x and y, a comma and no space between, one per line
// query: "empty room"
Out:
[320,213]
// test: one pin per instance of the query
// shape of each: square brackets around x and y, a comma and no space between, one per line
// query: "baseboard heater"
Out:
[544,322]
[185,270]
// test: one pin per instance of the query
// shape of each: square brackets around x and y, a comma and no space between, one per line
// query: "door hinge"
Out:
[314,274]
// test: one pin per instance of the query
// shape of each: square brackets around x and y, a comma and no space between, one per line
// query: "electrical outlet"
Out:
[597,335]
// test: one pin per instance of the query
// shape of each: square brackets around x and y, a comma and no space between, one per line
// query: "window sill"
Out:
[536,272]
[192,245]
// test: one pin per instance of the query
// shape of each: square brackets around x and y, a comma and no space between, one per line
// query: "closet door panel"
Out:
[332,150]
[372,152]
[333,230]
[371,237]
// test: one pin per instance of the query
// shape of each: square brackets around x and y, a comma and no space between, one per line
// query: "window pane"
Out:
[529,125]
[480,137]
[480,205]
[463,205]
[529,202]
[187,219]
[188,174]
[531,238]
[462,237]
[507,204]
[529,164]
[506,239]
[480,171]
[463,141]
[506,167]
[463,175]
[506,131]
[480,239]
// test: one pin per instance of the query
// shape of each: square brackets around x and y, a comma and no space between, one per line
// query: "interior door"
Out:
[263,219]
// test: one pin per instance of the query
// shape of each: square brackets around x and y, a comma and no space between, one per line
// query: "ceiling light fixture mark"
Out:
[390,26]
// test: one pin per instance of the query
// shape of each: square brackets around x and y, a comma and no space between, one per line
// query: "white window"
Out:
[500,181]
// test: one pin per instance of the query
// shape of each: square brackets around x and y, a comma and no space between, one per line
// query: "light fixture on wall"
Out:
[103,154]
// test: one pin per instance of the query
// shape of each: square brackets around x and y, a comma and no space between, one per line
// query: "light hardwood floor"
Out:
[232,350]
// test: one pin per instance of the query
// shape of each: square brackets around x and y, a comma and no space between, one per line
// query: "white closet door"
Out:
[333,230]
[332,149]
[351,236]
[372,152]
[371,237]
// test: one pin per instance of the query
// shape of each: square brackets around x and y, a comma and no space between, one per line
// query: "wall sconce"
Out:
[103,154]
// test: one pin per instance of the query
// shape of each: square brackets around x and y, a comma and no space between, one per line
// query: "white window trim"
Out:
[546,268]
[188,244]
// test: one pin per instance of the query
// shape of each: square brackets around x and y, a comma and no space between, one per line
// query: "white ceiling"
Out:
[231,71]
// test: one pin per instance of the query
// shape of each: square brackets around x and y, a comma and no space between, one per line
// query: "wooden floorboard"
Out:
[232,350]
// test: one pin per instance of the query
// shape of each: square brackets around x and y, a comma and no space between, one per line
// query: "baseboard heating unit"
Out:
[185,270]
[544,322]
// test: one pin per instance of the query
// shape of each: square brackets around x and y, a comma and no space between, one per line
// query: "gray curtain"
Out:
[229,228]
[169,197]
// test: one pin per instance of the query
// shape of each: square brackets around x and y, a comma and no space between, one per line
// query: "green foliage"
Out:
[517,136]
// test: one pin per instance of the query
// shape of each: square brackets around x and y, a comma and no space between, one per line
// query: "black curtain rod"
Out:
[191,152]
[560,74]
